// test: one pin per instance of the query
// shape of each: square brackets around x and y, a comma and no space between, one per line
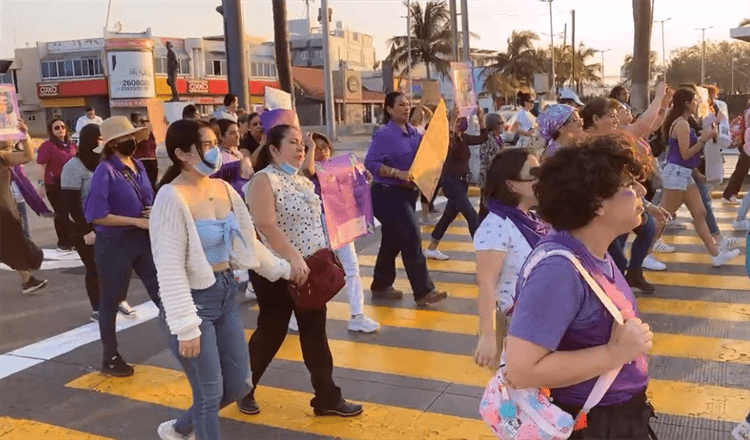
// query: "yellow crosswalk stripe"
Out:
[694,400]
[453,246]
[286,409]
[696,309]
[23,429]
[729,282]
[455,290]
[693,257]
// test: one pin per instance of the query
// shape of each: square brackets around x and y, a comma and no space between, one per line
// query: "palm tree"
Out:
[642,20]
[519,61]
[498,84]
[431,40]
[745,22]
[585,73]
[281,43]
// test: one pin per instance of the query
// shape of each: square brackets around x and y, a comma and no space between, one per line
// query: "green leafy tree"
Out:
[519,61]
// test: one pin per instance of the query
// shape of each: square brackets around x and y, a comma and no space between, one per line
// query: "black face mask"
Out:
[126,148]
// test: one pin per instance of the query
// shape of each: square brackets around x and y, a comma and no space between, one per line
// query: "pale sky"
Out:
[601,24]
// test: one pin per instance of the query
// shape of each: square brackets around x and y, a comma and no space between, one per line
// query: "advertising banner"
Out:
[428,163]
[9,114]
[464,93]
[131,74]
[346,199]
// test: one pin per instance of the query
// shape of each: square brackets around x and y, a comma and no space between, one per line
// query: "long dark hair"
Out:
[182,134]
[390,102]
[55,140]
[274,137]
[506,165]
[680,101]
[89,139]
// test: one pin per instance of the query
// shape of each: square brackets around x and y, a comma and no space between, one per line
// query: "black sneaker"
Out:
[248,405]
[635,280]
[117,367]
[32,285]
[343,409]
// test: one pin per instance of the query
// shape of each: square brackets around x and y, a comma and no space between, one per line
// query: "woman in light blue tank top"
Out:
[683,156]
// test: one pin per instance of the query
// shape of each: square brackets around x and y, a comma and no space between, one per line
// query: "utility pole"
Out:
[465,29]
[328,80]
[234,42]
[454,28]
[408,44]
[552,89]
[573,46]
[663,44]
[703,56]
[602,52]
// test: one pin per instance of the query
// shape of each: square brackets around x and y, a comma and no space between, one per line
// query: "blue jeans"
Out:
[456,191]
[117,254]
[394,206]
[219,375]
[644,238]
[713,227]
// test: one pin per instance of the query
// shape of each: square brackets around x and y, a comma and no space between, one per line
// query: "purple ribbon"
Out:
[36,203]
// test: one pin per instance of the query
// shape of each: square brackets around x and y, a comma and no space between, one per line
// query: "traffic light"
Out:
[320,15]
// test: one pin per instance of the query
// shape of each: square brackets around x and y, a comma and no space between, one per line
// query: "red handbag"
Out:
[325,280]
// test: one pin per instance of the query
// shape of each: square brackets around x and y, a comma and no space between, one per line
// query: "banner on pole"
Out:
[428,163]
[278,99]
[346,199]
[464,91]
[9,114]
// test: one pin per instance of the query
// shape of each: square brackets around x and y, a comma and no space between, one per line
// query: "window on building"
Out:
[254,69]
[71,68]
[266,70]
[319,54]
[161,66]
[216,67]
[303,55]
[273,70]
[32,118]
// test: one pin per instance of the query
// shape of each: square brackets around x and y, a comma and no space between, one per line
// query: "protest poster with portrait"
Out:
[9,114]
[464,91]
[428,163]
[346,199]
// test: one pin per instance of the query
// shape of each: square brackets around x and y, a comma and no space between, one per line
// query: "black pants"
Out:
[276,307]
[117,254]
[626,421]
[16,249]
[456,189]
[86,253]
[152,170]
[63,224]
[393,206]
[738,176]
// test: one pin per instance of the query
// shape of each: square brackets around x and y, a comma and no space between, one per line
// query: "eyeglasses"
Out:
[58,127]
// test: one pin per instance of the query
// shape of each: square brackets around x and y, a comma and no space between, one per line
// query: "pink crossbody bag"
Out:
[529,414]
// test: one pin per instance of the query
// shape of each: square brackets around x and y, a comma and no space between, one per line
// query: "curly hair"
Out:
[574,181]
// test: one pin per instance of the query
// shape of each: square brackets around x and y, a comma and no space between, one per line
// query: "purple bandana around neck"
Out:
[531,227]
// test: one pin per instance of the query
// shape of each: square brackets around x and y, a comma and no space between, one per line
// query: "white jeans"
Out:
[348,257]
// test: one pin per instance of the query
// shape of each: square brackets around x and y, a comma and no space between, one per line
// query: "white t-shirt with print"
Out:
[502,235]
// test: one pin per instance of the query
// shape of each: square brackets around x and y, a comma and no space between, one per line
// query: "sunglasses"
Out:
[58,127]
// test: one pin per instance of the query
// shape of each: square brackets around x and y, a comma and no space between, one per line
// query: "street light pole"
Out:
[602,52]
[663,44]
[703,56]
[454,28]
[408,43]
[328,80]
[553,91]
[465,29]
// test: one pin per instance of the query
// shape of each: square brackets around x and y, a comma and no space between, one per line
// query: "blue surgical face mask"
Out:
[289,169]
[213,156]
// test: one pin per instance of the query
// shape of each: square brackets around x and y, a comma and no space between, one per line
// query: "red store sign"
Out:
[47,90]
[197,87]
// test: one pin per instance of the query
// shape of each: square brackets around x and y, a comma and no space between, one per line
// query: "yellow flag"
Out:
[428,163]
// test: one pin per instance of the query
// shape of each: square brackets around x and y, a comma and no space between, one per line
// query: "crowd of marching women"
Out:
[243,193]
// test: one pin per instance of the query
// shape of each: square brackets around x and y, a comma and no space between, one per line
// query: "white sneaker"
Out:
[727,242]
[731,201]
[241,276]
[724,256]
[435,254]
[293,324]
[250,292]
[742,431]
[662,247]
[741,225]
[125,309]
[166,432]
[652,263]
[362,323]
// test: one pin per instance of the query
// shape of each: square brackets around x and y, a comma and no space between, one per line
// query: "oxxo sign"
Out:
[47,90]
[197,87]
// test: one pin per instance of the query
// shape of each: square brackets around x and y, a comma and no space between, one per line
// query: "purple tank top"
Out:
[674,156]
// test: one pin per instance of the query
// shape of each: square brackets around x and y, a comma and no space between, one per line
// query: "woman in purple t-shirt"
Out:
[562,337]
[52,155]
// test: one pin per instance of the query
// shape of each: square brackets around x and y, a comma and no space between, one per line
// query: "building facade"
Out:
[119,73]
[348,49]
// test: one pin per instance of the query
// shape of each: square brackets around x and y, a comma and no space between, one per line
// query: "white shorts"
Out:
[676,177]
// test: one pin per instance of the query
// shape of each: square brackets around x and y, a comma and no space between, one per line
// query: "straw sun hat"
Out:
[120,126]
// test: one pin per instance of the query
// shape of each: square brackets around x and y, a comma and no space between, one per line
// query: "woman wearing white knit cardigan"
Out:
[200,232]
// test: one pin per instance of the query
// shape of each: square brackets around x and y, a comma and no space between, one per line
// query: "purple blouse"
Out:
[392,147]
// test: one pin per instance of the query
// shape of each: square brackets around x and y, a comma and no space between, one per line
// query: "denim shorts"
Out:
[676,177]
